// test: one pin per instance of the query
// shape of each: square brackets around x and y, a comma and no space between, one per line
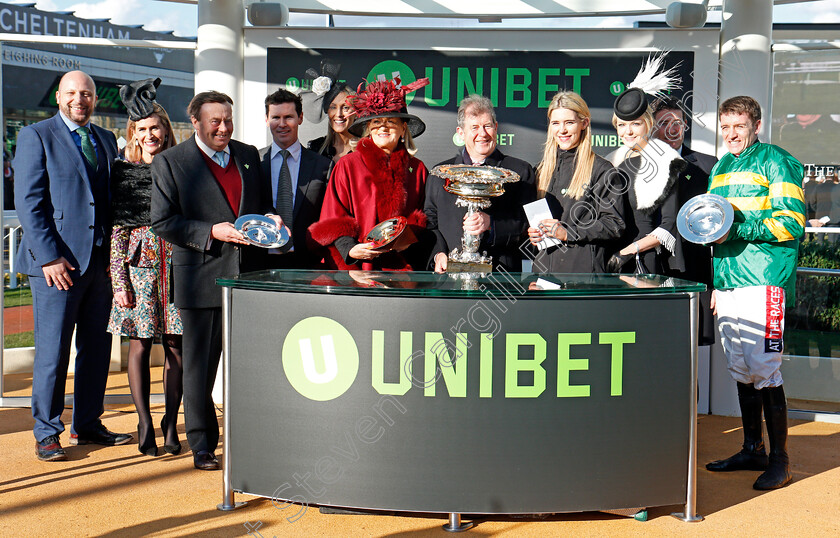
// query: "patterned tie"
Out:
[220,157]
[283,203]
[87,146]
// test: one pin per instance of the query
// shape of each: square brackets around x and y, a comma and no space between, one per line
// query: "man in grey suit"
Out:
[199,189]
[62,198]
[287,164]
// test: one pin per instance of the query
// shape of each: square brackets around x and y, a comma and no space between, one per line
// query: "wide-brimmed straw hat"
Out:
[383,99]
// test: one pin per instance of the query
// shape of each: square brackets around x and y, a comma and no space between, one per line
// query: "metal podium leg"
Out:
[690,514]
[455,524]
[228,502]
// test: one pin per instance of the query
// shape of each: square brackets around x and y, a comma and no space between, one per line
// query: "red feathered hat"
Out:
[383,99]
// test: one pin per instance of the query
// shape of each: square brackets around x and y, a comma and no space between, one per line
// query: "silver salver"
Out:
[474,186]
[261,231]
[391,234]
[705,218]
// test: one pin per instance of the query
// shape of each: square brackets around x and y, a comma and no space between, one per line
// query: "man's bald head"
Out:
[76,96]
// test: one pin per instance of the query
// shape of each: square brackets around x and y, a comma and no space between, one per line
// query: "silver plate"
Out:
[705,218]
[261,231]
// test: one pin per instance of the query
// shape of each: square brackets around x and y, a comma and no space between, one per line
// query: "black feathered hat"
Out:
[651,80]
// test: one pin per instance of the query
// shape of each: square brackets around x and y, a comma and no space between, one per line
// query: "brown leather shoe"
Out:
[205,461]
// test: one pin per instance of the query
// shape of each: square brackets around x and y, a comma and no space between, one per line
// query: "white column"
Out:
[746,68]
[746,65]
[219,63]
[220,66]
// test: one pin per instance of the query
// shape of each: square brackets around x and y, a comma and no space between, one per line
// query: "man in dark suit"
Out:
[287,164]
[199,188]
[62,198]
[671,128]
[502,226]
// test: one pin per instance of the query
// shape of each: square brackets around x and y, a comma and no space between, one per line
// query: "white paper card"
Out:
[536,213]
[547,285]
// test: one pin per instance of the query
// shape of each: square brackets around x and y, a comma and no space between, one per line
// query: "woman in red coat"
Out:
[380,180]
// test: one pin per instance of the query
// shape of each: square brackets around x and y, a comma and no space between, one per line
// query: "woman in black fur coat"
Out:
[141,268]
[650,169]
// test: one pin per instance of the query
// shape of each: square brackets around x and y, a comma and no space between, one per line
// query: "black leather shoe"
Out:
[205,461]
[742,461]
[147,443]
[49,449]
[777,474]
[752,456]
[169,449]
[100,436]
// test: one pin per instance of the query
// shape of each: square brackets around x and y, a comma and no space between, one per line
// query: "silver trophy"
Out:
[474,186]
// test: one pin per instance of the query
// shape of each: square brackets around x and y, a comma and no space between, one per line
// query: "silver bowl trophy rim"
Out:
[456,172]
[712,201]
[261,221]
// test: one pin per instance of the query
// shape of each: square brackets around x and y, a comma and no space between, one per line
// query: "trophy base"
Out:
[454,266]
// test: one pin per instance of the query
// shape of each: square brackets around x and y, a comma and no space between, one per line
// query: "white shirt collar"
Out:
[210,152]
[294,150]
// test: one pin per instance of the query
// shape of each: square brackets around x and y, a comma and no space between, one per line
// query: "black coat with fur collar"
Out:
[652,205]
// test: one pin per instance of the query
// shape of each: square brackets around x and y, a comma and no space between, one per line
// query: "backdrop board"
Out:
[411,393]
[518,70]
[520,84]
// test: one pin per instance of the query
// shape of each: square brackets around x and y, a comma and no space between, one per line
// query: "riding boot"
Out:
[777,474]
[752,456]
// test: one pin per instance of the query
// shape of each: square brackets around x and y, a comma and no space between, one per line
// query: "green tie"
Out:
[87,146]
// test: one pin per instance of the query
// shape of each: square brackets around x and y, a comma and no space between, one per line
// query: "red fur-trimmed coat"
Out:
[367,187]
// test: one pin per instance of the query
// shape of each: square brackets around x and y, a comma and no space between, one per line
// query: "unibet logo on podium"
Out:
[320,358]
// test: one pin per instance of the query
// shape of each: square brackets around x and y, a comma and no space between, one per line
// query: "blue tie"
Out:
[220,157]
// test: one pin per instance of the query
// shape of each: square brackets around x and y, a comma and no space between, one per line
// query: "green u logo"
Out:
[320,358]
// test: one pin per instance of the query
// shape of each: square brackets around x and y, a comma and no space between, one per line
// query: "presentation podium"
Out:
[503,393]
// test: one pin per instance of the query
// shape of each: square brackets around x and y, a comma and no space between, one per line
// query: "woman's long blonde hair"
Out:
[133,151]
[584,158]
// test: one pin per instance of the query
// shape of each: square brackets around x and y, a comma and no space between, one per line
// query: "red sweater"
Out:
[229,179]
[367,187]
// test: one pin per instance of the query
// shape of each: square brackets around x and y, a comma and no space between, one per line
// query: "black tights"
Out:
[139,381]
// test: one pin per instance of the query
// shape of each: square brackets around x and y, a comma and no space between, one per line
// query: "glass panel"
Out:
[806,122]
[811,366]
[17,313]
[427,284]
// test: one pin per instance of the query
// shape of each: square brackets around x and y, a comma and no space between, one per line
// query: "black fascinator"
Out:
[139,97]
[325,87]
[654,80]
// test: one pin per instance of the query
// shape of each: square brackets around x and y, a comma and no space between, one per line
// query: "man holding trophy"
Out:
[501,227]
